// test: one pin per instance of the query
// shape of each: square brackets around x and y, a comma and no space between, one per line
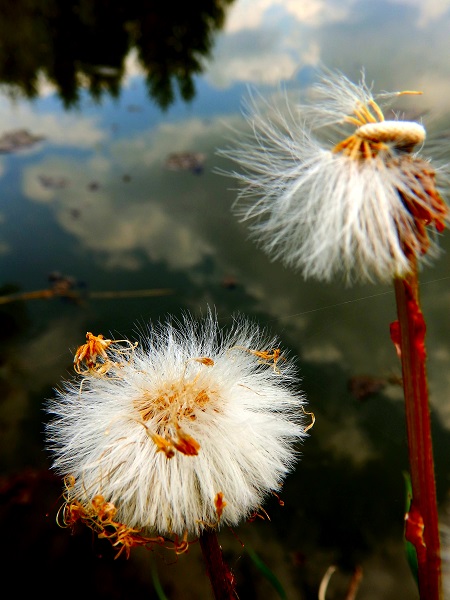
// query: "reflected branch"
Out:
[76,296]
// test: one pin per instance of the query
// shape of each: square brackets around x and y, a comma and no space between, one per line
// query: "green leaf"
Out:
[156,583]
[268,574]
[410,551]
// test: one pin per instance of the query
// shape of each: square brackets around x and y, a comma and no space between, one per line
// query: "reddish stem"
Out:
[222,580]
[422,520]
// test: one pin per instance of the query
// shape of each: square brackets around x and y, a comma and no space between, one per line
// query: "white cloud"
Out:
[428,10]
[265,41]
[325,352]
[58,179]
[119,227]
[151,147]
[345,439]
[32,186]
[119,231]
[63,129]
[263,68]
[252,14]
[133,67]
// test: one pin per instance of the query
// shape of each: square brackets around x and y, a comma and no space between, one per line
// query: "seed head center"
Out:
[174,401]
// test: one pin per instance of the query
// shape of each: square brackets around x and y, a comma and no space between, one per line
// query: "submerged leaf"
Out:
[410,551]
[268,574]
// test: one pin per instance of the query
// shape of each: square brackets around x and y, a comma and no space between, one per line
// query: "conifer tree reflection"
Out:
[80,43]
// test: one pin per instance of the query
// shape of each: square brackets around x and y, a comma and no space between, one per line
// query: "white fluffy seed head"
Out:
[192,413]
[347,208]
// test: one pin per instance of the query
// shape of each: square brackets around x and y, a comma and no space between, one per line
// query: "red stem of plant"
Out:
[421,527]
[221,578]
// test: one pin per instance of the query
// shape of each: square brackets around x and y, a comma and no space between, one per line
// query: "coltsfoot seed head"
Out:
[191,428]
[364,207]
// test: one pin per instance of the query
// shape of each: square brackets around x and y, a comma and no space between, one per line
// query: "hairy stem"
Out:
[421,525]
[221,578]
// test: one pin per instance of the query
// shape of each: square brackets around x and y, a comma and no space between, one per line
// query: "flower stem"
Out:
[221,578]
[421,522]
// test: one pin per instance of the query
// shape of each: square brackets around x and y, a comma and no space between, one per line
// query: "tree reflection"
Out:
[78,44]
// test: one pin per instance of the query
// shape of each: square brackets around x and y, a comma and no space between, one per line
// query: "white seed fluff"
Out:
[243,410]
[321,211]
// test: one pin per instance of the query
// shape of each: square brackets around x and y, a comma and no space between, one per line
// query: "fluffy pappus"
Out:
[193,427]
[332,188]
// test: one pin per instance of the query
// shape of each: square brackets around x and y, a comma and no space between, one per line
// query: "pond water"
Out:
[110,119]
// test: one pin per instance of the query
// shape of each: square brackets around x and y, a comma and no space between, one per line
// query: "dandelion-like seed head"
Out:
[189,430]
[365,207]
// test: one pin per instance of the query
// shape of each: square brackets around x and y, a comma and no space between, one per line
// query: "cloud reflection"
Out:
[62,129]
[266,41]
[255,14]
[428,11]
[120,222]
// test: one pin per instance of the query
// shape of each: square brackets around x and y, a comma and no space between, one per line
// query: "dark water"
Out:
[120,194]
